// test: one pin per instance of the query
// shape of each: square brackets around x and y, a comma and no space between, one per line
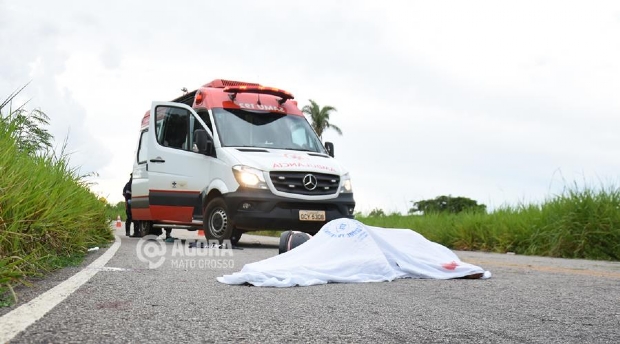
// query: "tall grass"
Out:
[48,215]
[113,211]
[583,222]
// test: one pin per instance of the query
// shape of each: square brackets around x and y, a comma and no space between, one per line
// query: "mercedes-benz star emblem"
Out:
[310,182]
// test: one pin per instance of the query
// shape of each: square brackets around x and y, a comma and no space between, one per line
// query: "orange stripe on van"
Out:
[171,213]
[143,214]
[176,191]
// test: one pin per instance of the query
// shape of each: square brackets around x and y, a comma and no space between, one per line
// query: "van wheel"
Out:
[217,225]
[146,228]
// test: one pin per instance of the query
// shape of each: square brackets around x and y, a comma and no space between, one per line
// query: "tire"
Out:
[146,228]
[217,223]
[283,241]
[291,239]
[236,235]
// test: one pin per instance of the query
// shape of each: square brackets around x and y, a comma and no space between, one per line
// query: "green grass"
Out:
[580,223]
[48,215]
[112,211]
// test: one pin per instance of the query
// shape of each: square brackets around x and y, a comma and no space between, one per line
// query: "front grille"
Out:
[292,182]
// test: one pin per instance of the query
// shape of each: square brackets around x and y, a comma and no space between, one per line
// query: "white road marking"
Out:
[110,268]
[25,315]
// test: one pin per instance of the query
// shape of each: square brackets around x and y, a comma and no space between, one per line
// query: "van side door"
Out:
[177,172]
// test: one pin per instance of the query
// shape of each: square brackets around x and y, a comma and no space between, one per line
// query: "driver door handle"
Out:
[158,159]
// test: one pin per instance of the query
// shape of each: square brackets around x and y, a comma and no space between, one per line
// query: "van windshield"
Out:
[261,129]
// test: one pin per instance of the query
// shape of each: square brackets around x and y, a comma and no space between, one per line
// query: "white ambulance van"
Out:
[232,157]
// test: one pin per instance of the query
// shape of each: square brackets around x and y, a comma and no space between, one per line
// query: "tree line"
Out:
[446,204]
[438,205]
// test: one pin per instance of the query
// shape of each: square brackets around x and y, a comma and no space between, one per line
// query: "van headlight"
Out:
[249,177]
[346,184]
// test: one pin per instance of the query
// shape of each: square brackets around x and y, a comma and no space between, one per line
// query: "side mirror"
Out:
[330,148]
[203,143]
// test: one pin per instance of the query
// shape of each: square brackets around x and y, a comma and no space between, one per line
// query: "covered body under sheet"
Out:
[347,251]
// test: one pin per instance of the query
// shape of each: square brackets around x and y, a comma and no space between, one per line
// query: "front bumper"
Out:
[267,211]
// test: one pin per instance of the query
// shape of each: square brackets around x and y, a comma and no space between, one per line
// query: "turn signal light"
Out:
[199,97]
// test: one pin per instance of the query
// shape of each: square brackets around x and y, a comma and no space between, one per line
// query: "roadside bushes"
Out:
[48,215]
[113,211]
[579,223]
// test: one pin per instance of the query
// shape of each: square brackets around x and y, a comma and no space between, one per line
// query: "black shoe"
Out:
[135,236]
[127,234]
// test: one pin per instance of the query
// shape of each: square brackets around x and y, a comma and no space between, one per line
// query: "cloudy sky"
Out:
[501,102]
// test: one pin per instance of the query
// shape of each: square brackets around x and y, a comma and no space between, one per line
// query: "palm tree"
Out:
[320,117]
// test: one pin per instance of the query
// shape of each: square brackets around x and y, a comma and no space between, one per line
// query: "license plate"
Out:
[312,215]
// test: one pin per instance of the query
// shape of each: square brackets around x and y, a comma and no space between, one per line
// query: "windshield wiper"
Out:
[300,149]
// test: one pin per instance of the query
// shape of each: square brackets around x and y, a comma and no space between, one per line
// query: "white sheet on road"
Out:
[346,250]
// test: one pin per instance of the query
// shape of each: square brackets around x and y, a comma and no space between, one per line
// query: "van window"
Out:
[174,130]
[240,128]
[142,147]
[204,116]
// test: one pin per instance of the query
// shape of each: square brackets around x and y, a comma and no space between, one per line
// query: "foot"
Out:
[170,239]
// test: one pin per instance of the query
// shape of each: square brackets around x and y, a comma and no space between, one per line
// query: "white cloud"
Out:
[493,101]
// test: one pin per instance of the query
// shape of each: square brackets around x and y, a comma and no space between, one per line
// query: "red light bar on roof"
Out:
[233,90]
[221,83]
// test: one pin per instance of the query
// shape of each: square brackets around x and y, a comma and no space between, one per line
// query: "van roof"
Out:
[229,94]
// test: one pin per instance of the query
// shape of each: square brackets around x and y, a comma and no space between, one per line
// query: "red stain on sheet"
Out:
[450,266]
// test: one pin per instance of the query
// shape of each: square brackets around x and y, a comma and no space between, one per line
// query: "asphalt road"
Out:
[528,300]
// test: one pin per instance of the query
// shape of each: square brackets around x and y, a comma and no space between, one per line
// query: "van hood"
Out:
[286,160]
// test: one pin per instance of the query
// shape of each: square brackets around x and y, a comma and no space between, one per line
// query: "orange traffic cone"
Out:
[118,221]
